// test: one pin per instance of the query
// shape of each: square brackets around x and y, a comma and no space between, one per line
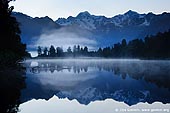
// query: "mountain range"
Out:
[103,30]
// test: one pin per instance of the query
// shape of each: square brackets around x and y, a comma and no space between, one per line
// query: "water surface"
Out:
[85,84]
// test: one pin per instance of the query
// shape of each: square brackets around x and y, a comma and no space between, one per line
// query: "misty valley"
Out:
[76,83]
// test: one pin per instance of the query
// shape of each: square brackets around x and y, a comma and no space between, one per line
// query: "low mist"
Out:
[64,38]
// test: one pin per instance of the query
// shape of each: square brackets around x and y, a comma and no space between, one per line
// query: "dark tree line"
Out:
[152,47]
[77,51]
[11,48]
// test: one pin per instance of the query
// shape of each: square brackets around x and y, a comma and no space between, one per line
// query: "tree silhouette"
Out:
[45,52]
[60,52]
[78,48]
[117,50]
[124,43]
[69,50]
[11,48]
[85,51]
[39,50]
[52,52]
[100,52]
[153,47]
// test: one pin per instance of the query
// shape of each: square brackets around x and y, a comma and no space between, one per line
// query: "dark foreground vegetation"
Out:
[11,49]
[152,47]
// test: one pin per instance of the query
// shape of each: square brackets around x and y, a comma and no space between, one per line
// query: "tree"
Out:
[81,50]
[74,50]
[135,48]
[117,50]
[123,48]
[45,52]
[85,49]
[39,50]
[52,52]
[11,49]
[85,52]
[124,43]
[69,50]
[99,52]
[59,51]
[107,52]
[78,49]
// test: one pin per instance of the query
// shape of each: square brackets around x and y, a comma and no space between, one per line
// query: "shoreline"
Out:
[94,59]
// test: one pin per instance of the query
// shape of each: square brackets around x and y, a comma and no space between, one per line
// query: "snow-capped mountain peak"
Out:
[84,20]
[91,22]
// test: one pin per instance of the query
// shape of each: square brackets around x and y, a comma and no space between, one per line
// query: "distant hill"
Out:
[32,28]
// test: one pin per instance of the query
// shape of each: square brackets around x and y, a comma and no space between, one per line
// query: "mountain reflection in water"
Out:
[128,81]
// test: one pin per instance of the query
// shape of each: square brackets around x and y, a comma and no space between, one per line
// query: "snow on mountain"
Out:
[84,20]
[91,22]
[145,23]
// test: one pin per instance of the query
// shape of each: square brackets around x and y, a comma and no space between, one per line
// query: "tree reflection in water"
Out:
[11,83]
[151,71]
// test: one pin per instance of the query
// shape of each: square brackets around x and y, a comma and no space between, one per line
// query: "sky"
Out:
[63,8]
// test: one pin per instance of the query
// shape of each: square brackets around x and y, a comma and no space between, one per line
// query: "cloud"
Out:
[63,38]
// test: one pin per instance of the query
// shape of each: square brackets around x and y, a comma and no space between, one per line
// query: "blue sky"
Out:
[109,8]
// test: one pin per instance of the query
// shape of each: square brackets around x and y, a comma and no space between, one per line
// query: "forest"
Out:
[151,47]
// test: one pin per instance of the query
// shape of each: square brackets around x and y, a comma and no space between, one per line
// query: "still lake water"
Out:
[96,86]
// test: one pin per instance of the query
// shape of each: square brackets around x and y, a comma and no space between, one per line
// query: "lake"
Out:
[95,86]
